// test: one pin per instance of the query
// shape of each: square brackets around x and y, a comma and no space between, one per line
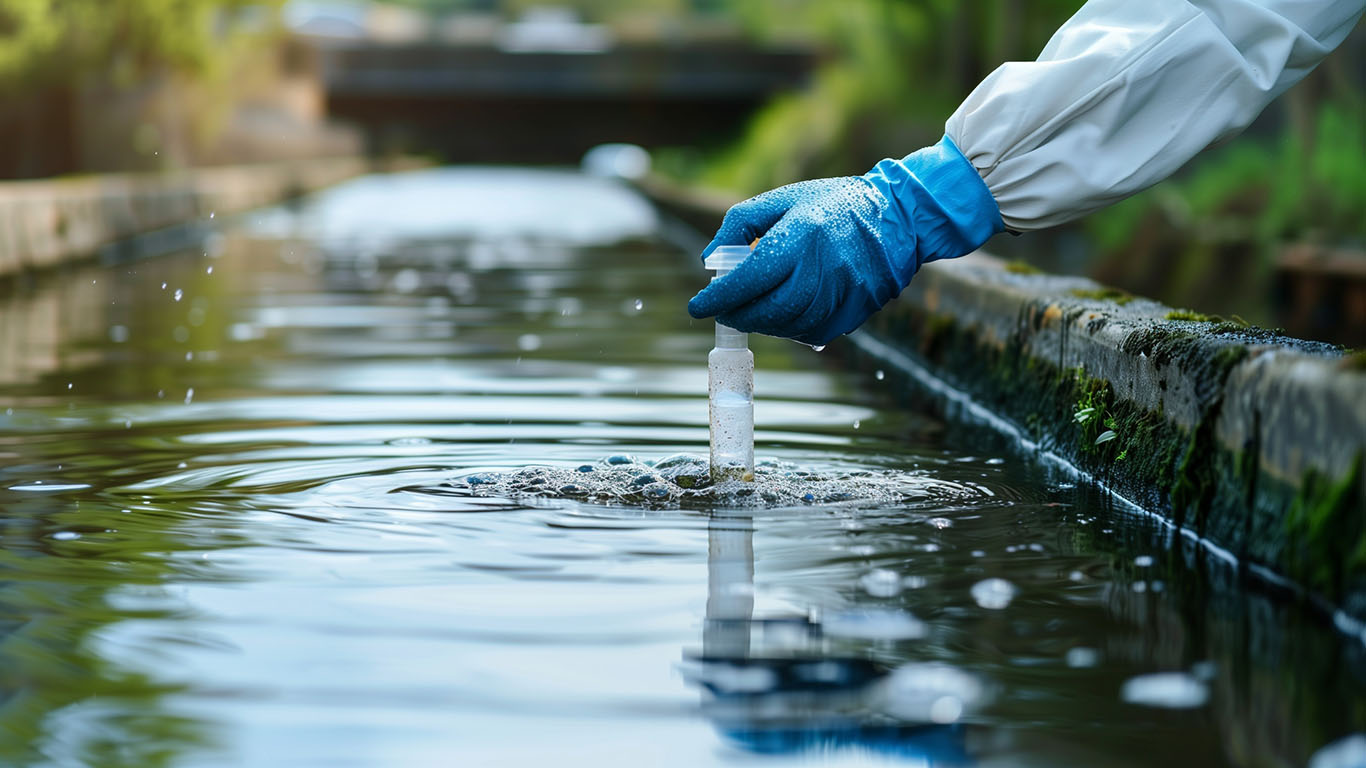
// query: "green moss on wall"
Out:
[1326,532]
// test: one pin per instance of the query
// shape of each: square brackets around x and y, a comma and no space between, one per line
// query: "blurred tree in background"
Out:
[79,76]
[57,41]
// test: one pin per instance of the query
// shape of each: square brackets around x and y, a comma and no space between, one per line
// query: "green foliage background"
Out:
[44,42]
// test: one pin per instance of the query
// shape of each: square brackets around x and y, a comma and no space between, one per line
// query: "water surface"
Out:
[238,528]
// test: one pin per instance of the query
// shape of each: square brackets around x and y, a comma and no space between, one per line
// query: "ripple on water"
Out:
[685,480]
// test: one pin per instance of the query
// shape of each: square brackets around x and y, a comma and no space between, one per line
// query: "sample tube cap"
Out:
[726,257]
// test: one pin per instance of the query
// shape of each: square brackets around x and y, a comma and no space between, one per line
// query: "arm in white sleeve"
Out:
[1128,90]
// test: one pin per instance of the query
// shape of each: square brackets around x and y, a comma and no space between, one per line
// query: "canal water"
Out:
[244,524]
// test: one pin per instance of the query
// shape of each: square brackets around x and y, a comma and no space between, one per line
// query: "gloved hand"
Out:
[833,251]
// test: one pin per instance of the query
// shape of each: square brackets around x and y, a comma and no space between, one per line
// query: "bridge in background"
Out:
[483,104]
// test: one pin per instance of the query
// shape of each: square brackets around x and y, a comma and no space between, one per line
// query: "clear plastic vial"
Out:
[730,369]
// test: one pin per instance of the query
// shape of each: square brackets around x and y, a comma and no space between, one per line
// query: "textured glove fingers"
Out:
[778,311]
[762,271]
[749,219]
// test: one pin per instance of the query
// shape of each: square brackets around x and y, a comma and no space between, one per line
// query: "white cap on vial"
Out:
[726,257]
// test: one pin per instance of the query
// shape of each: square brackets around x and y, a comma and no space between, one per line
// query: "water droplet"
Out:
[1143,561]
[179,294]
[211,213]
[528,342]
[208,270]
[940,522]
[66,535]
[1168,690]
[993,594]
[857,423]
[639,305]
[817,347]
[118,333]
[163,286]
[189,356]
[189,395]
[880,375]
[881,582]
[69,385]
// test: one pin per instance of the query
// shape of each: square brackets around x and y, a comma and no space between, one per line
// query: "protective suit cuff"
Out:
[939,206]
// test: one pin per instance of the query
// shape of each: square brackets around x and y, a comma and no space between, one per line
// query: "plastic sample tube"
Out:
[730,369]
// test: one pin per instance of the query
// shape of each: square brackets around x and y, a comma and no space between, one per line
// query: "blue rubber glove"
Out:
[833,251]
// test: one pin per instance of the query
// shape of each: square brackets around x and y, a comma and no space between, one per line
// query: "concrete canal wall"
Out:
[50,221]
[1251,440]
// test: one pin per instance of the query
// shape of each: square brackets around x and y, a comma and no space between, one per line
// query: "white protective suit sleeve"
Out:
[1128,90]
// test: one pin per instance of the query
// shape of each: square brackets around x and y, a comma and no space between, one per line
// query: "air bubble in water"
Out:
[685,480]
[1081,657]
[993,594]
[874,625]
[932,692]
[881,582]
[1166,690]
[1347,752]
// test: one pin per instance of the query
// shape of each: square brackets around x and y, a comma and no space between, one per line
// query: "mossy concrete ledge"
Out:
[1251,440]
[51,221]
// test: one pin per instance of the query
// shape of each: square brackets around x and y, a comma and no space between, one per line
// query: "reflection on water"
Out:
[234,528]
